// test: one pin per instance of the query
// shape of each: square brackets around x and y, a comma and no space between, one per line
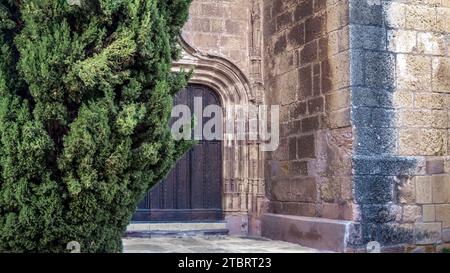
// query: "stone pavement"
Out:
[210,244]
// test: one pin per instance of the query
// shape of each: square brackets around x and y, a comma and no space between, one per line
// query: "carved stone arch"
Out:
[216,72]
[243,174]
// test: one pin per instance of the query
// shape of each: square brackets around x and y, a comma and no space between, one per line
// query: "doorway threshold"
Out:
[176,229]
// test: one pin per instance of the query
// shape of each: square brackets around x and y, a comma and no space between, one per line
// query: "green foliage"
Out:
[85,98]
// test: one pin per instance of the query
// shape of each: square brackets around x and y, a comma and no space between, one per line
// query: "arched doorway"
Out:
[192,191]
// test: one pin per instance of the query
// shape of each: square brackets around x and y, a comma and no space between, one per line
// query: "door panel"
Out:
[192,191]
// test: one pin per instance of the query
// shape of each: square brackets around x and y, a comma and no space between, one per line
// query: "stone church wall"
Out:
[364,94]
[307,73]
[400,112]
[220,28]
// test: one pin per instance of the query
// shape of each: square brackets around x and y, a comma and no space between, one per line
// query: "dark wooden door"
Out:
[192,190]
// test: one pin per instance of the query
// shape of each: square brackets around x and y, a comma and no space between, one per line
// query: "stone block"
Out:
[298,168]
[413,72]
[372,97]
[435,166]
[284,20]
[296,36]
[423,118]
[339,70]
[408,141]
[420,17]
[314,27]
[305,82]
[367,37]
[384,165]
[303,189]
[427,233]
[310,124]
[432,142]
[411,214]
[300,209]
[423,190]
[375,141]
[233,27]
[446,235]
[339,119]
[406,191]
[443,214]
[431,43]
[390,233]
[403,99]
[294,190]
[366,12]
[441,188]
[281,190]
[306,147]
[280,44]
[205,40]
[329,191]
[292,144]
[315,105]
[381,214]
[427,100]
[401,41]
[319,233]
[441,70]
[394,14]
[303,10]
[379,70]
[298,110]
[309,53]
[337,100]
[374,189]
[342,211]
[429,213]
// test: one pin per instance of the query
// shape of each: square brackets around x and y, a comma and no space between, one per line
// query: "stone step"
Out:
[178,229]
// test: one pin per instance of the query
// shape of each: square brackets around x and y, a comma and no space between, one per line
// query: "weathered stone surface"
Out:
[435,166]
[411,213]
[427,233]
[441,188]
[441,70]
[406,191]
[320,233]
[363,85]
[446,235]
[374,189]
[443,214]
[429,213]
[413,72]
[423,190]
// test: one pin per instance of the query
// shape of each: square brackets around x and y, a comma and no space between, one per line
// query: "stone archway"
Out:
[243,163]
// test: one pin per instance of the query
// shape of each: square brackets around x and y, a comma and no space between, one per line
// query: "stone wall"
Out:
[225,36]
[306,54]
[220,28]
[400,111]
[364,94]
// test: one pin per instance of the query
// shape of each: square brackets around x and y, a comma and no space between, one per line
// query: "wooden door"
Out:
[193,189]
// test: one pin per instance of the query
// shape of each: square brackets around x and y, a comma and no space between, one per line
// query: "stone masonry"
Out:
[400,87]
[364,94]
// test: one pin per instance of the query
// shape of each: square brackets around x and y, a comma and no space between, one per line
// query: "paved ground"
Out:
[210,244]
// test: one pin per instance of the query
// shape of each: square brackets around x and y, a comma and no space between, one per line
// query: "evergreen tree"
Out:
[85,98]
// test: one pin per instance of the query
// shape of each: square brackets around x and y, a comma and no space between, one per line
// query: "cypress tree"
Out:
[85,98]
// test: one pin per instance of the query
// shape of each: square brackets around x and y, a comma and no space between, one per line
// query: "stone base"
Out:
[237,224]
[318,233]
